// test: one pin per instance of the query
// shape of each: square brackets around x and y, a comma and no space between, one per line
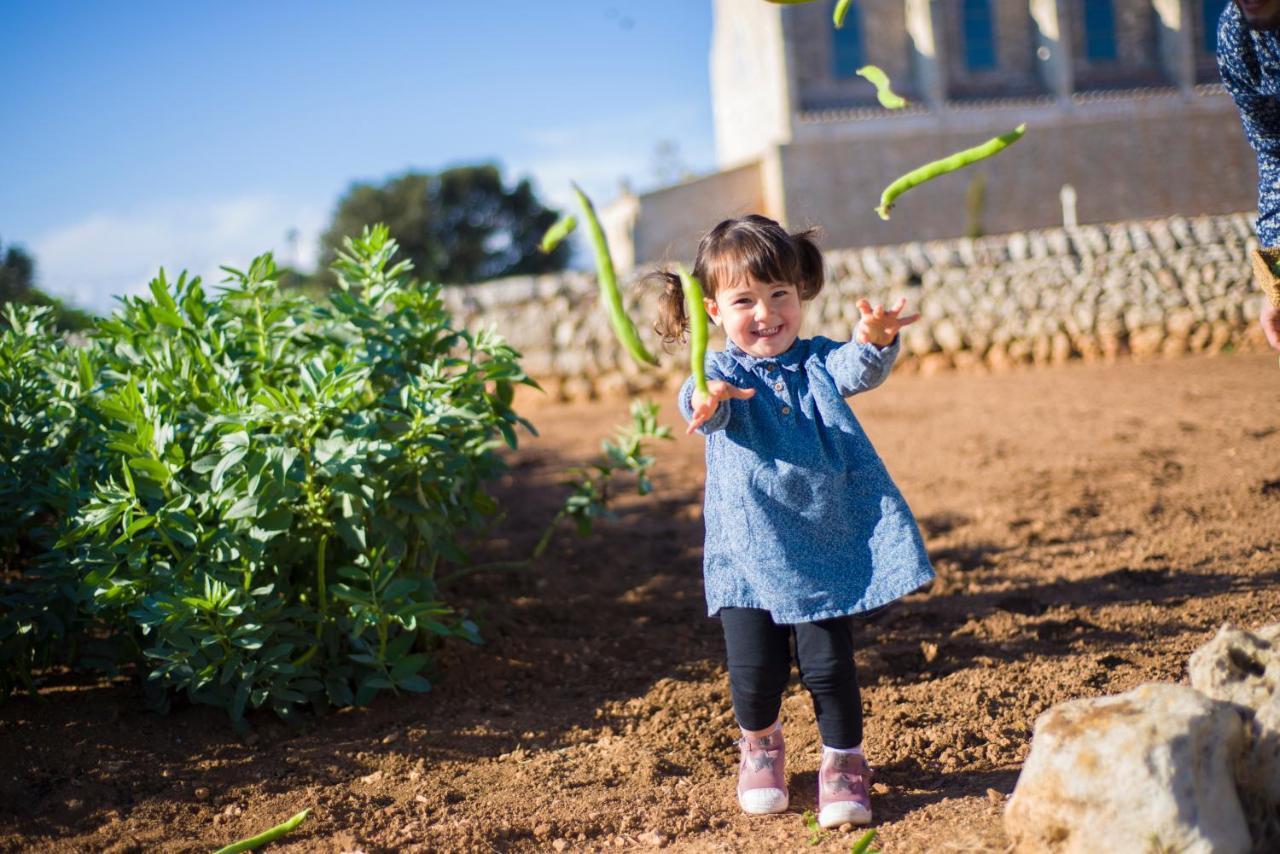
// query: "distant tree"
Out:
[458,226]
[17,271]
[17,284]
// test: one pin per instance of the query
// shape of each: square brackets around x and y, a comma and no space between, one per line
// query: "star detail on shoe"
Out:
[764,760]
[843,762]
[841,784]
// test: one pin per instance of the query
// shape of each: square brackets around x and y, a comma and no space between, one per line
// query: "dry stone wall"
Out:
[1139,289]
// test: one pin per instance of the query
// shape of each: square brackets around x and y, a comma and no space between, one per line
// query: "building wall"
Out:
[1206,62]
[673,220]
[885,44]
[750,88]
[1137,61]
[1153,156]
[1015,73]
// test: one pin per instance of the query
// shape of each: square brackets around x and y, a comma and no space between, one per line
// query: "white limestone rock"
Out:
[1238,666]
[1243,668]
[1148,770]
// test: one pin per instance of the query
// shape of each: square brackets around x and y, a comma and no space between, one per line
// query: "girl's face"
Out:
[762,319]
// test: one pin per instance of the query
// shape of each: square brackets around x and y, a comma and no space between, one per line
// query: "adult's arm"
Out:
[1240,69]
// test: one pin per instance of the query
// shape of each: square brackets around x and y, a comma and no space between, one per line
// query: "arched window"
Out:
[1099,30]
[979,36]
[1210,11]
[846,46]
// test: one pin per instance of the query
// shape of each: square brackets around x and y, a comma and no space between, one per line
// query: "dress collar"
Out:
[789,360]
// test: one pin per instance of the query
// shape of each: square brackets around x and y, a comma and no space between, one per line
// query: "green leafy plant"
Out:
[590,495]
[257,489]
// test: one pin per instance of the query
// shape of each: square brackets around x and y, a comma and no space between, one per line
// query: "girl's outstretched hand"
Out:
[705,407]
[879,326]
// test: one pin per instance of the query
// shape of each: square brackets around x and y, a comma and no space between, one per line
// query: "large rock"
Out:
[1243,668]
[1149,770]
[1238,666]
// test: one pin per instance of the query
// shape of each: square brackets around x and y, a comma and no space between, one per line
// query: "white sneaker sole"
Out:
[763,801]
[843,812]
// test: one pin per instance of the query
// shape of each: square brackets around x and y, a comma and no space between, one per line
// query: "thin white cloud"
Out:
[104,255]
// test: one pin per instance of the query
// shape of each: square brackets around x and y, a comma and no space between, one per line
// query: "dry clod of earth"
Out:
[1150,768]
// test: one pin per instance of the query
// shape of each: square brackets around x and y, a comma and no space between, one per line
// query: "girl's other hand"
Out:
[879,326]
[705,406]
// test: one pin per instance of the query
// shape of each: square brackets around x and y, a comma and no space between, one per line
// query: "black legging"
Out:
[759,653]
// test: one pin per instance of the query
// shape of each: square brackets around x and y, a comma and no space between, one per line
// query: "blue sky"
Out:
[187,135]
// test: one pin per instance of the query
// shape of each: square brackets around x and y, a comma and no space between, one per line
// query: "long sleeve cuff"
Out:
[718,421]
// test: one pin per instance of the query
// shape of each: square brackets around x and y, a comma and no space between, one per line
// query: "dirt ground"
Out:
[1091,526]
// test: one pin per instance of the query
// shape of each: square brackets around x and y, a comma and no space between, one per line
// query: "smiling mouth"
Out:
[768,333]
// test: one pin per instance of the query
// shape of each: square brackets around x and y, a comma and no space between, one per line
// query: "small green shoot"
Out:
[816,833]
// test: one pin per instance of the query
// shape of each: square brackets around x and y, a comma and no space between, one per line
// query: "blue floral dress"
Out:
[802,518]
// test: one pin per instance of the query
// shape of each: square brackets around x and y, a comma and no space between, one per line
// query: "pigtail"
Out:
[673,319]
[810,272]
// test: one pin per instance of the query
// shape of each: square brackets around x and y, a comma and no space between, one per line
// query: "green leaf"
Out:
[160,291]
[415,683]
[154,469]
[280,519]
[224,465]
[245,508]
[408,665]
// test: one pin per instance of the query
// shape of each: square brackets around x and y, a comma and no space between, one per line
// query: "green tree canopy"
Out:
[458,226]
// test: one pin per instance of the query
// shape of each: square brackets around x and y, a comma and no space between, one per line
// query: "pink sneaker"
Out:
[842,789]
[762,786]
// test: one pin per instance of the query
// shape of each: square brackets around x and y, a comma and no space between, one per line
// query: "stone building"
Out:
[1121,99]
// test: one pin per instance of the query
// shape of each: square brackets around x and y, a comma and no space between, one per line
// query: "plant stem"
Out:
[322,601]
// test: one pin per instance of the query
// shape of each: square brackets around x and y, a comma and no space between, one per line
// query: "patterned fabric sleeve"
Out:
[858,367]
[1259,113]
[720,419]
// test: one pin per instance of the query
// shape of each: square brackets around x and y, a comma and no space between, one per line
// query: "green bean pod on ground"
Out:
[697,312]
[255,842]
[609,293]
[935,168]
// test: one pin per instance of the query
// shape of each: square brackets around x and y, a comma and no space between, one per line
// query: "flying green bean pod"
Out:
[609,293]
[697,310]
[841,10]
[887,97]
[255,842]
[933,169]
[558,231]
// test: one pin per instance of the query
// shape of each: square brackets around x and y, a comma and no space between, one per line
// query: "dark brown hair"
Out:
[752,248]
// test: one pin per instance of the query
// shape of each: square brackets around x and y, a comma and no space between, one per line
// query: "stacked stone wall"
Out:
[1140,289]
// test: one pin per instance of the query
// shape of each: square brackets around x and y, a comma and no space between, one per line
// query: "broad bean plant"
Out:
[248,493]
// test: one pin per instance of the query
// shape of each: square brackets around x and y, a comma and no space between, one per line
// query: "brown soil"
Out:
[1091,526]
